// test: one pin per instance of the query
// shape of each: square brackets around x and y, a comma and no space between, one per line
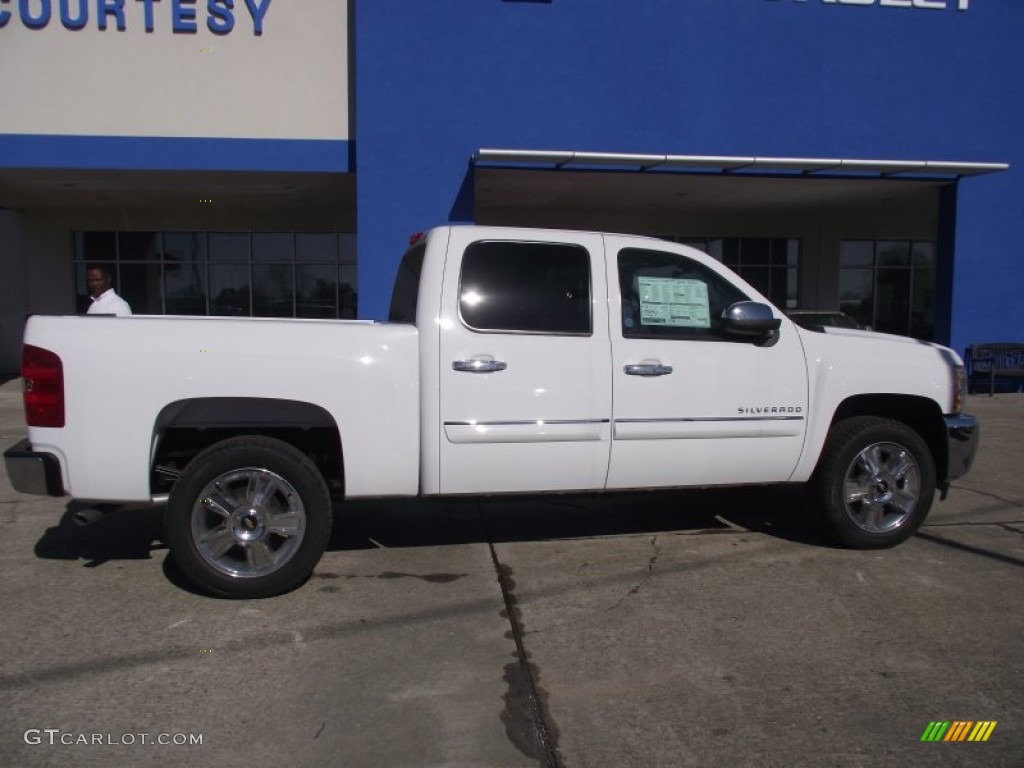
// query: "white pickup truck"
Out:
[513,361]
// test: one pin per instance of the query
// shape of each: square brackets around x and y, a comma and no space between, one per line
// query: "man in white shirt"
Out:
[105,300]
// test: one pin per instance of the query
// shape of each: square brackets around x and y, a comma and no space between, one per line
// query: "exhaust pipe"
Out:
[87,516]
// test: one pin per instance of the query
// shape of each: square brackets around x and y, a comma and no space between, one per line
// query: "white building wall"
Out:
[284,76]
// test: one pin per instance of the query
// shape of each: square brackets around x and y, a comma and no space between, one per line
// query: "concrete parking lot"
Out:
[711,628]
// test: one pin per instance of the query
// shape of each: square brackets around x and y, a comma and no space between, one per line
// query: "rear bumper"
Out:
[32,472]
[962,434]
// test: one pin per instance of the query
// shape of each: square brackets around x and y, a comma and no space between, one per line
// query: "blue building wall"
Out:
[436,81]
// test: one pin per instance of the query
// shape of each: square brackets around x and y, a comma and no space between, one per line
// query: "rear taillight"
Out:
[43,374]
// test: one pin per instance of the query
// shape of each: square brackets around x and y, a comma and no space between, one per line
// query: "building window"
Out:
[770,264]
[249,274]
[889,285]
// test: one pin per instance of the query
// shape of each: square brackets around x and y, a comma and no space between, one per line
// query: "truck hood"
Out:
[883,338]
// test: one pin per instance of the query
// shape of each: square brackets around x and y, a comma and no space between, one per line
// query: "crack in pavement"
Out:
[529,728]
[986,494]
[1009,527]
[650,566]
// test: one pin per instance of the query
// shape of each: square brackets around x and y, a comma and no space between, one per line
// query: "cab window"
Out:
[666,295]
[406,293]
[526,287]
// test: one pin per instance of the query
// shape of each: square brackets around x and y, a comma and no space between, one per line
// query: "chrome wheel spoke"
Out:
[258,554]
[286,524]
[902,463]
[903,501]
[261,487]
[856,491]
[220,502]
[872,516]
[871,460]
[217,541]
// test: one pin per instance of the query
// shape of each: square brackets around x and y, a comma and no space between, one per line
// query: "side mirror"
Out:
[750,318]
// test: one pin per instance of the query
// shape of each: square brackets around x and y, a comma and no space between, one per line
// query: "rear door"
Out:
[525,383]
[693,405]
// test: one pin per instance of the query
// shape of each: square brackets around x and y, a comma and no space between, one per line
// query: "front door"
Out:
[693,405]
[525,384]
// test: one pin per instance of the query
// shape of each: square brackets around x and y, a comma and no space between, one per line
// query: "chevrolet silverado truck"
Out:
[513,361]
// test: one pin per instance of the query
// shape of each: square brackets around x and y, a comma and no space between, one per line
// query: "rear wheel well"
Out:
[186,427]
[919,413]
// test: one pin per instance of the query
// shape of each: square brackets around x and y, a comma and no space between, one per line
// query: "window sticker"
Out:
[674,301]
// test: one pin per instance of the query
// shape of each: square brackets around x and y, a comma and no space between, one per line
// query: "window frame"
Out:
[914,269]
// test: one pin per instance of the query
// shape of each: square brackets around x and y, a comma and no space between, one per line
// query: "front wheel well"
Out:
[919,413]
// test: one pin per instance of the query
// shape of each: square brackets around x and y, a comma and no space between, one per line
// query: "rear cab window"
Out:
[526,287]
[406,293]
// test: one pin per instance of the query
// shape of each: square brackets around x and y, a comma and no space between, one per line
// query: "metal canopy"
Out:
[733,165]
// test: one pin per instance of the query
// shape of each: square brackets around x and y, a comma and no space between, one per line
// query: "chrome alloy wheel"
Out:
[248,522]
[882,487]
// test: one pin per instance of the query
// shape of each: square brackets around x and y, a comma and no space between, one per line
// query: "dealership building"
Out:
[261,157]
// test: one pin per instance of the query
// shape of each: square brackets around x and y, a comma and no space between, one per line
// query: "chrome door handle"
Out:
[647,369]
[478,366]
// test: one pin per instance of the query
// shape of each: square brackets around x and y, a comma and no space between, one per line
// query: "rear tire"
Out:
[875,482]
[250,517]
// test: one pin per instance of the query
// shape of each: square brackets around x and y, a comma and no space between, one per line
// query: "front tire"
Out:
[875,482]
[250,517]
